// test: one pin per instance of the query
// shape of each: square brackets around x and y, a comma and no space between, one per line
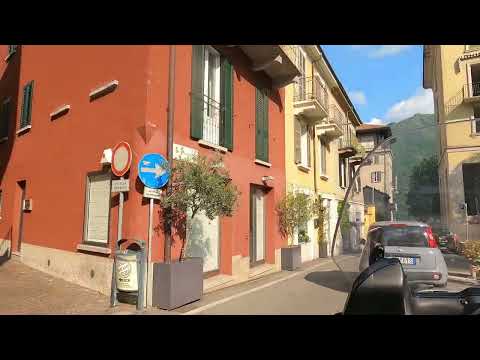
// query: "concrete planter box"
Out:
[322,250]
[291,257]
[178,283]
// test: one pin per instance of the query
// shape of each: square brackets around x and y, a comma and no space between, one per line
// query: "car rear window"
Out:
[408,236]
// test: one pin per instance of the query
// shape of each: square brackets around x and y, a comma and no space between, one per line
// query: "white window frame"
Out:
[85,240]
[376,176]
[211,112]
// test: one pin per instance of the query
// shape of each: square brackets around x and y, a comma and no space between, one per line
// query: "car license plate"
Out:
[407,260]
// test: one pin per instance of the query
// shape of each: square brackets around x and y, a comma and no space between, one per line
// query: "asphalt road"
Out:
[322,290]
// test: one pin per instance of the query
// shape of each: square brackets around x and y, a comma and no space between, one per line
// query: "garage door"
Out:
[98,208]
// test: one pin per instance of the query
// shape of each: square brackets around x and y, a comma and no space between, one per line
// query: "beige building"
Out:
[320,139]
[453,74]
[377,177]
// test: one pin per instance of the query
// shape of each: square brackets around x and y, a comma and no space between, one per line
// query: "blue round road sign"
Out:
[153,171]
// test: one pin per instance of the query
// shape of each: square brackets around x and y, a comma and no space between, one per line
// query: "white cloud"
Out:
[420,103]
[388,50]
[375,121]
[381,51]
[358,97]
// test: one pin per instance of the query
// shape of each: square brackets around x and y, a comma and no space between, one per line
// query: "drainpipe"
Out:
[170,110]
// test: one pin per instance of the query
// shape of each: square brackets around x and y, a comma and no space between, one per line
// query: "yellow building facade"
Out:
[320,126]
[453,74]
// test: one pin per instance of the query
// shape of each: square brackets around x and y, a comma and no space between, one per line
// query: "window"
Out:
[302,143]
[97,209]
[475,79]
[303,234]
[405,236]
[26,116]
[342,169]
[4,119]
[376,176]
[323,157]
[476,120]
[211,97]
[471,187]
[211,92]
[261,125]
[376,159]
[300,87]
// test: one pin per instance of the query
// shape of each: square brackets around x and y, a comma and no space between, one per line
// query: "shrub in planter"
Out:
[471,250]
[294,211]
[198,184]
[321,212]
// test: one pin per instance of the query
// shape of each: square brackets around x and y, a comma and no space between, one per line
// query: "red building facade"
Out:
[58,128]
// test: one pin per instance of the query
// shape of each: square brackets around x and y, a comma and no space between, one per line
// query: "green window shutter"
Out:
[265,127]
[258,124]
[261,126]
[26,118]
[297,136]
[227,104]
[197,99]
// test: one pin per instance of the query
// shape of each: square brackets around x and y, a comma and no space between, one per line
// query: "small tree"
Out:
[199,184]
[294,211]
[320,211]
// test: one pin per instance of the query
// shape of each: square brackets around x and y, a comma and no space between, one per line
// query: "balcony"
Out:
[279,62]
[471,92]
[348,143]
[310,99]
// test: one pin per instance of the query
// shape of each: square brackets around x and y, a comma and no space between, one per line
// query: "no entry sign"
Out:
[121,158]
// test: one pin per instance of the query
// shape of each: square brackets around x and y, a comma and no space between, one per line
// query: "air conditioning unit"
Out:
[106,157]
[27,205]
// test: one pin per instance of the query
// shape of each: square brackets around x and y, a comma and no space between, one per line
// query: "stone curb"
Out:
[464,280]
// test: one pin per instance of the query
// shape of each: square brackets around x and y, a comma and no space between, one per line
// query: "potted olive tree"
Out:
[294,212]
[321,212]
[199,184]
[472,252]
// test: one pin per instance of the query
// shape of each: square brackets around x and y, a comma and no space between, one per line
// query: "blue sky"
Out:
[383,81]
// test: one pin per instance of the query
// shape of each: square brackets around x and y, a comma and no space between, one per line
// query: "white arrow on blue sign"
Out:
[153,171]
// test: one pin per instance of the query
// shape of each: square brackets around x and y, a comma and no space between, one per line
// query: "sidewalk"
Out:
[26,291]
[459,269]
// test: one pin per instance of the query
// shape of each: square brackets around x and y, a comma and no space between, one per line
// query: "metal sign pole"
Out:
[149,282]
[113,295]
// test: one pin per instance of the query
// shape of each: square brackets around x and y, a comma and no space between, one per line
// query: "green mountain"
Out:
[417,138]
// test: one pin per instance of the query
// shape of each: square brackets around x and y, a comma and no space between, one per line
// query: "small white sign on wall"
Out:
[181,152]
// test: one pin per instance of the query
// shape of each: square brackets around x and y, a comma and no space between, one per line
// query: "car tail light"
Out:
[431,240]
[437,276]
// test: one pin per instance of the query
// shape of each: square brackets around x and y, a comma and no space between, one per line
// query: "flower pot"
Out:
[291,257]
[177,283]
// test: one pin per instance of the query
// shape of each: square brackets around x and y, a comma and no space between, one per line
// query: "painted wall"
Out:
[55,156]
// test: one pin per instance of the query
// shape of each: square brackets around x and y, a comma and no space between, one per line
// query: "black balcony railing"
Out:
[472,89]
[336,116]
[212,117]
[348,139]
[310,88]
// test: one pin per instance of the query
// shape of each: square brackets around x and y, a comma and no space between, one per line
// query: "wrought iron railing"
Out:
[336,116]
[309,88]
[348,139]
[471,89]
[212,117]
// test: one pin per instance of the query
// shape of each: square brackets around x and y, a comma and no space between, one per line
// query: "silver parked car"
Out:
[414,245]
